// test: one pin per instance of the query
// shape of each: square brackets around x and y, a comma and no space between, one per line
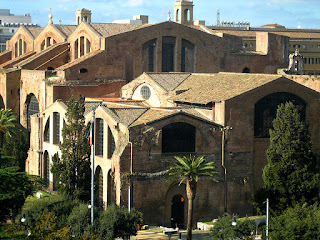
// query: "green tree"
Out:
[298,223]
[73,169]
[223,228]
[15,187]
[189,169]
[291,174]
[9,124]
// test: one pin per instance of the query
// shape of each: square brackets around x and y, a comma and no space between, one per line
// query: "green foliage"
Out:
[79,220]
[17,149]
[9,125]
[223,228]
[15,187]
[73,169]
[291,174]
[298,223]
[117,222]
[191,168]
[45,226]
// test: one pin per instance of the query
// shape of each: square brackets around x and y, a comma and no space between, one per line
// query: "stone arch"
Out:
[32,107]
[176,192]
[178,137]
[265,111]
[98,181]
[111,193]
[46,169]
[246,70]
[1,102]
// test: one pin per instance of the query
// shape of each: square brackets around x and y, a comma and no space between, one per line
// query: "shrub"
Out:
[118,222]
[62,210]
[79,220]
[223,228]
[298,223]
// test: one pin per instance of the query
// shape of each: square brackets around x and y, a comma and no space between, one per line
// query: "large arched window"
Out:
[111,143]
[111,194]
[168,54]
[46,134]
[56,128]
[266,110]
[149,56]
[178,137]
[99,187]
[82,46]
[32,108]
[99,137]
[187,56]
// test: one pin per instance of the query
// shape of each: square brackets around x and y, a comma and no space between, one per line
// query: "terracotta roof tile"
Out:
[110,29]
[66,29]
[206,88]
[169,81]
[35,31]
[80,59]
[128,115]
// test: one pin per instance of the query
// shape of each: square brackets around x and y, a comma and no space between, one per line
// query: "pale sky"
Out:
[290,13]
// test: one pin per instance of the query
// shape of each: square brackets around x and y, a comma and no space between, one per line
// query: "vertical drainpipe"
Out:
[130,190]
[224,129]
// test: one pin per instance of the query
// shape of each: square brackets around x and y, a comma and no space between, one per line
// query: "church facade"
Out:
[160,90]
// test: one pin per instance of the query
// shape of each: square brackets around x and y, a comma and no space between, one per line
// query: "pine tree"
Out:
[291,174]
[73,170]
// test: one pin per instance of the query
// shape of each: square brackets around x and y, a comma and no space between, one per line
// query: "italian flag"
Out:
[90,134]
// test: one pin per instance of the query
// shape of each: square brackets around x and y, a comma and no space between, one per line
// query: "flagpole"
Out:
[92,162]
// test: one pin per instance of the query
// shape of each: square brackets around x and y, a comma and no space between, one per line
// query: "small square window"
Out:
[303,46]
[296,46]
[318,46]
[310,46]
[311,60]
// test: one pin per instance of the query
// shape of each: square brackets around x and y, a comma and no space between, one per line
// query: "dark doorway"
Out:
[177,211]
[246,70]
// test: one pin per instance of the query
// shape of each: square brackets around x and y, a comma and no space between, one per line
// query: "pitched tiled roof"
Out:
[16,60]
[109,29]
[169,81]
[128,115]
[89,105]
[35,31]
[206,88]
[80,59]
[66,29]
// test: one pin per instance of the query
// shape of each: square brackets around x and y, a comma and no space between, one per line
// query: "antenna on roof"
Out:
[218,17]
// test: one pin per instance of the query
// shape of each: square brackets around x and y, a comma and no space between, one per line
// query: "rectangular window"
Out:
[296,46]
[56,128]
[168,54]
[310,46]
[303,46]
[305,60]
[99,137]
[311,60]
[317,60]
[318,46]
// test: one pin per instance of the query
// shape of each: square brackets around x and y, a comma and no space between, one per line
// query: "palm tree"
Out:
[9,124]
[189,169]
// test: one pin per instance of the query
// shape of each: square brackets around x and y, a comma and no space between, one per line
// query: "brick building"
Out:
[175,100]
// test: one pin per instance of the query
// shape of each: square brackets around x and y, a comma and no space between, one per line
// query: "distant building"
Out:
[9,24]
[307,41]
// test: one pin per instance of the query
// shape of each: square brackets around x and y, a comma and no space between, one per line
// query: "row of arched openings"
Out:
[100,188]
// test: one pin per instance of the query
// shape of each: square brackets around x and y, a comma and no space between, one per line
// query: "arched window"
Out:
[177,14]
[145,92]
[76,46]
[187,56]
[111,195]
[168,54]
[50,68]
[1,102]
[246,70]
[32,108]
[99,187]
[46,168]
[149,56]
[99,137]
[111,143]
[178,137]
[187,15]
[83,70]
[56,128]
[265,111]
[46,134]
